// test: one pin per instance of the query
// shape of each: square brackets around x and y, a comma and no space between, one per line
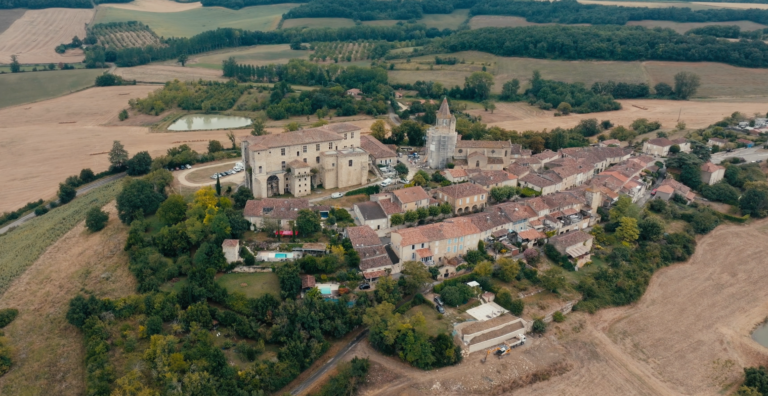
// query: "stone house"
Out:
[463,198]
[491,178]
[379,152]
[670,187]
[281,210]
[231,249]
[577,245]
[721,143]
[659,147]
[711,173]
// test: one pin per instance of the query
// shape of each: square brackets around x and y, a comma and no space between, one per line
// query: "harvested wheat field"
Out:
[48,352]
[50,140]
[696,114]
[34,36]
[689,335]
[7,17]
[717,80]
[155,6]
[163,73]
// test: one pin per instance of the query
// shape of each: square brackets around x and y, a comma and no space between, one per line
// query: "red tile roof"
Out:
[710,167]
[374,274]
[462,190]
[376,148]
[363,236]
[230,243]
[411,194]
[307,281]
[531,235]
[276,208]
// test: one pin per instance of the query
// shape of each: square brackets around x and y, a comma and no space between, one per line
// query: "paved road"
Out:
[749,154]
[82,190]
[331,363]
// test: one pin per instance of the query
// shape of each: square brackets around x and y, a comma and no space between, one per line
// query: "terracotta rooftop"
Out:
[541,180]
[376,148]
[451,228]
[298,164]
[285,139]
[363,236]
[501,144]
[710,167]
[462,190]
[487,178]
[389,207]
[307,281]
[444,111]
[374,274]
[661,142]
[455,173]
[314,246]
[531,235]
[276,208]
[569,239]
[341,127]
[411,194]
[230,243]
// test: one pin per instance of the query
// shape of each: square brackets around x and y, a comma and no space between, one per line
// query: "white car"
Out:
[386,182]
[337,195]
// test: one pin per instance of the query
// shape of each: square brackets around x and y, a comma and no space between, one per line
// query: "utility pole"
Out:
[678,114]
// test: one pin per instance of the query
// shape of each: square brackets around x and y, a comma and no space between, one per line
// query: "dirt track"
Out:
[689,335]
[35,35]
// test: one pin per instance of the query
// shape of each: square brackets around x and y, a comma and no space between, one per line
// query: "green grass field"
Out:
[258,55]
[189,23]
[434,326]
[257,284]
[439,21]
[20,88]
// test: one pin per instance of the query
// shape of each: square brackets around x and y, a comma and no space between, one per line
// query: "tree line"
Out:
[622,43]
[40,4]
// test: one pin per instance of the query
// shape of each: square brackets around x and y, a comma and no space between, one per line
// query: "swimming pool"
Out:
[281,255]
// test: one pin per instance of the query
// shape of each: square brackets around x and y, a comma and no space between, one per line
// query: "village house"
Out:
[670,187]
[609,143]
[371,214]
[433,243]
[455,175]
[491,178]
[745,142]
[355,93]
[549,183]
[463,198]
[231,249]
[295,162]
[577,245]
[721,143]
[379,152]
[659,147]
[600,158]
[483,154]
[280,210]
[711,173]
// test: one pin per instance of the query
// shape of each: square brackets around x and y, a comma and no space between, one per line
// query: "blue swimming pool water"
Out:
[281,255]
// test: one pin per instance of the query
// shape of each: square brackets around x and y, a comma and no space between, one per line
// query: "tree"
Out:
[510,89]
[588,127]
[308,222]
[411,216]
[565,108]
[259,127]
[231,137]
[478,86]
[680,126]
[242,196]
[445,208]
[289,280]
[214,146]
[623,208]
[15,65]
[539,327]
[172,210]
[434,211]
[401,168]
[413,130]
[123,115]
[754,202]
[183,58]
[379,130]
[140,164]
[484,269]
[218,185]
[66,193]
[422,213]
[118,156]
[674,149]
[417,276]
[628,230]
[651,229]
[508,269]
[87,176]
[137,199]
[387,290]
[553,279]
[663,89]
[396,219]
[690,175]
[686,84]
[96,219]
[531,256]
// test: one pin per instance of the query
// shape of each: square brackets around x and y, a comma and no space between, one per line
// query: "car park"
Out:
[337,195]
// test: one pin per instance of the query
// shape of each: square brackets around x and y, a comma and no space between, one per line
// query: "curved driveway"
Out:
[237,178]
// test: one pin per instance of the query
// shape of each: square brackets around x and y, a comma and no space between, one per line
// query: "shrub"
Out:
[558,317]
[539,327]
[66,193]
[96,219]
[7,316]
[41,210]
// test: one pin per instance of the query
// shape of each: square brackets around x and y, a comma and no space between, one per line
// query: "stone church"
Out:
[442,138]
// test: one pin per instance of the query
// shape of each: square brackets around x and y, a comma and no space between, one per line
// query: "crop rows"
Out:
[21,247]
[124,35]
[342,52]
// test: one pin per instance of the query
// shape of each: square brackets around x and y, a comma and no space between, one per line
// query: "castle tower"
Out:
[441,138]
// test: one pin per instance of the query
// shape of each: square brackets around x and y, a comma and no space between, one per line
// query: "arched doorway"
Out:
[474,208]
[273,186]
[477,164]
[459,211]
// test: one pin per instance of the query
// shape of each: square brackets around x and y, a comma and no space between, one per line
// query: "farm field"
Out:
[49,353]
[161,73]
[35,35]
[682,27]
[439,21]
[659,346]
[482,21]
[256,284]
[257,55]
[521,117]
[155,6]
[7,17]
[661,4]
[30,87]
[734,5]
[72,127]
[717,80]
[317,22]
[190,22]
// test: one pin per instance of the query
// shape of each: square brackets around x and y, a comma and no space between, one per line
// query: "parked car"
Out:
[438,301]
[365,286]
[440,309]
[386,182]
[337,195]
[188,166]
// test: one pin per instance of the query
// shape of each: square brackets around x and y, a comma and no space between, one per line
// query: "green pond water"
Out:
[202,122]
[760,334]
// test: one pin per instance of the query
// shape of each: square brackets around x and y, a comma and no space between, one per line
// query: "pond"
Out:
[760,334]
[201,122]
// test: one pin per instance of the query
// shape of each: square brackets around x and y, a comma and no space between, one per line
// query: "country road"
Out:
[331,363]
[80,191]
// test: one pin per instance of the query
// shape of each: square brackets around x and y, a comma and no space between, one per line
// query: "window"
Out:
[350,162]
[459,202]
[333,164]
[353,135]
[461,151]
[475,198]
[477,164]
[413,246]
[461,247]
[505,153]
[448,250]
[259,168]
[493,151]
[297,154]
[413,256]
[482,197]
[422,245]
[317,147]
[282,151]
[461,239]
[283,165]
[304,149]
[330,146]
[317,159]
[345,136]
[305,160]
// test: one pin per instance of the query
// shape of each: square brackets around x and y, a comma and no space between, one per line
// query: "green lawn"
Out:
[20,88]
[191,22]
[434,326]
[257,284]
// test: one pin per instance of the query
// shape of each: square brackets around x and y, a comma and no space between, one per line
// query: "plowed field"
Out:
[34,36]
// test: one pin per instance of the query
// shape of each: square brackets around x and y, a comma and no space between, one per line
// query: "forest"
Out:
[40,4]
[196,95]
[623,43]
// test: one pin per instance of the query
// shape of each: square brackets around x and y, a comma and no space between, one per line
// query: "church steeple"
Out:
[444,111]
